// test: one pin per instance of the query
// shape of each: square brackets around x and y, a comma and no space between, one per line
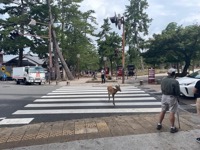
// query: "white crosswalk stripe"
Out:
[89,100]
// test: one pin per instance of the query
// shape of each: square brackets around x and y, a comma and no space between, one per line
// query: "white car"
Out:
[187,83]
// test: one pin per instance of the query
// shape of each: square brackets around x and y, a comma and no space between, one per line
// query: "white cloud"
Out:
[162,12]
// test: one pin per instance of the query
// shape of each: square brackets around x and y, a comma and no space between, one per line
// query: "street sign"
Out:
[3,68]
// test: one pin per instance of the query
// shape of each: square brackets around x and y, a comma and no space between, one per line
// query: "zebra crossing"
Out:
[86,100]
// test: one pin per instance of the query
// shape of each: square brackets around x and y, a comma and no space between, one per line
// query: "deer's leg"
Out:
[113,99]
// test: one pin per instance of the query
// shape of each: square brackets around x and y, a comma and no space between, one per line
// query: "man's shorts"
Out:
[169,103]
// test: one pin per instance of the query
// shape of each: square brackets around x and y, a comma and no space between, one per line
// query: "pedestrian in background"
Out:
[4,77]
[197,96]
[169,101]
[103,80]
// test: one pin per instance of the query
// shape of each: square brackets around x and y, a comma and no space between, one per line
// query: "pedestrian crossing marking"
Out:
[93,104]
[16,121]
[2,118]
[94,99]
[92,92]
[73,96]
[87,111]
[62,93]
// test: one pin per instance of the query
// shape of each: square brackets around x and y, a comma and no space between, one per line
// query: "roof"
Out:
[28,59]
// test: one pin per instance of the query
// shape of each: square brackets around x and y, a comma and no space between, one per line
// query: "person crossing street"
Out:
[103,76]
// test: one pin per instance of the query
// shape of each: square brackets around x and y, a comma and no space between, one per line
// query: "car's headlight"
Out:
[30,78]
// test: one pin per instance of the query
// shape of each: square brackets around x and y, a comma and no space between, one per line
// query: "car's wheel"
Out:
[18,82]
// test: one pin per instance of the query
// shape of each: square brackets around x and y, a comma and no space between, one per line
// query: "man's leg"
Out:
[172,118]
[161,117]
[172,121]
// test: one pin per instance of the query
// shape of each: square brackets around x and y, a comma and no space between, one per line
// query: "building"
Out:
[27,60]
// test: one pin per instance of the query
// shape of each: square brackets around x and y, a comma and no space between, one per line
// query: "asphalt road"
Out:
[14,97]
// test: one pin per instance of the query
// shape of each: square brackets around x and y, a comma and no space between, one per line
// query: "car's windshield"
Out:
[195,75]
[36,69]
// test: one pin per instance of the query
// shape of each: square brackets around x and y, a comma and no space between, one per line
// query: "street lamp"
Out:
[34,22]
[78,57]
[118,22]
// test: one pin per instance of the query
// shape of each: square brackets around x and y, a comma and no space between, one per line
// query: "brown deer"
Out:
[112,91]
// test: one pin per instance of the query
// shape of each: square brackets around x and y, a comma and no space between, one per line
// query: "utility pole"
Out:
[118,22]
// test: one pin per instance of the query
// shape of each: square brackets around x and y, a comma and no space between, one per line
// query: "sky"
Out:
[183,12]
[163,12]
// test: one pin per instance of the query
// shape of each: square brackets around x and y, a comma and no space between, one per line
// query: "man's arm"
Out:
[195,90]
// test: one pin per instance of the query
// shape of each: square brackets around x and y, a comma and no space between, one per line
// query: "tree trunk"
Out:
[69,74]
[187,65]
[142,63]
[56,65]
[20,57]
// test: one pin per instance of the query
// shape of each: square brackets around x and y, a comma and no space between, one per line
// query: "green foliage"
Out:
[137,23]
[17,20]
[72,26]
[108,43]
[74,31]
[175,44]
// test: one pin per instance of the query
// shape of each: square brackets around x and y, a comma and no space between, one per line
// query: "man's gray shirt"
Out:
[170,86]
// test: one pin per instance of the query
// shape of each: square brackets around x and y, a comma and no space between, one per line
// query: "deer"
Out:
[112,91]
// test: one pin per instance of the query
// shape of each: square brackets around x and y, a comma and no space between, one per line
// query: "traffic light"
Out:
[117,20]
[14,34]
[114,20]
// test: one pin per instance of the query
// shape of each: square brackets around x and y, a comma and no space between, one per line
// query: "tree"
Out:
[137,24]
[17,21]
[108,44]
[76,28]
[175,44]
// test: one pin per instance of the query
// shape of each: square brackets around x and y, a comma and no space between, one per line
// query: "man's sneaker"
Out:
[173,130]
[198,140]
[159,126]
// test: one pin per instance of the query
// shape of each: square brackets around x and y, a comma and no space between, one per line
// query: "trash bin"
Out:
[141,82]
[158,81]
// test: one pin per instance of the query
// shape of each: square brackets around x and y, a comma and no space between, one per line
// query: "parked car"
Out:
[187,83]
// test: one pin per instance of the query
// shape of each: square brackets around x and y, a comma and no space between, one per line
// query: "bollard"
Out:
[141,82]
[56,82]
[158,81]
[67,83]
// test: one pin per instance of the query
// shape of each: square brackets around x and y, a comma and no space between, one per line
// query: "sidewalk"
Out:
[115,132]
[162,141]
